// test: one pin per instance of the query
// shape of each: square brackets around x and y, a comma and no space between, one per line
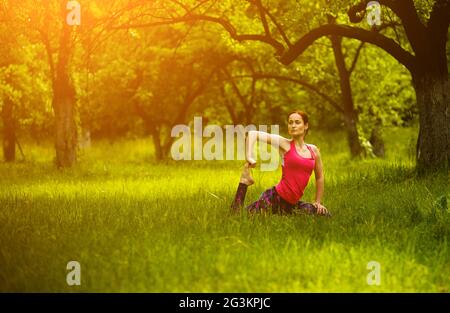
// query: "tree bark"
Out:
[431,84]
[162,147]
[433,144]
[64,105]
[9,131]
[159,151]
[350,114]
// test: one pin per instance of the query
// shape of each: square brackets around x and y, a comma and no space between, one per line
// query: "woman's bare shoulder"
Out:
[314,147]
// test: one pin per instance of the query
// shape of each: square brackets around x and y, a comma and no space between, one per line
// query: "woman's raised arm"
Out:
[276,141]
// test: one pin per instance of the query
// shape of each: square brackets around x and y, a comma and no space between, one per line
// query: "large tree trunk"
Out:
[9,131]
[433,144]
[64,105]
[350,114]
[430,81]
[66,136]
[350,121]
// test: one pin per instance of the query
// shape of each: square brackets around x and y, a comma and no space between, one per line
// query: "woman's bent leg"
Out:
[267,202]
[245,181]
[239,198]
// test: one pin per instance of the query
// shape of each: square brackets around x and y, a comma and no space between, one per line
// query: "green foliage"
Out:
[382,91]
[25,82]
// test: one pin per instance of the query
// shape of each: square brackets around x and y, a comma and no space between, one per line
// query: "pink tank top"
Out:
[296,171]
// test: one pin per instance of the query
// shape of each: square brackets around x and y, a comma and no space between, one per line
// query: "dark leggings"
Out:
[270,201]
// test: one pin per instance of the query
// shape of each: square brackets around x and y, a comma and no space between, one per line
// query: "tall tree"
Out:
[54,24]
[428,68]
[23,88]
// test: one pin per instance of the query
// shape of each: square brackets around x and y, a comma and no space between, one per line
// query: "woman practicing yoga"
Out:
[298,161]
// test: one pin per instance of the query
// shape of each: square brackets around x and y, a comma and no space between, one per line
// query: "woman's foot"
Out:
[246,176]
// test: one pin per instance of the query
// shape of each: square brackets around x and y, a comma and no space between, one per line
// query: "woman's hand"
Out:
[321,209]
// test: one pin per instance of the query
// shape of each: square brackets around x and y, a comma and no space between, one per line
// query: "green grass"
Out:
[138,226]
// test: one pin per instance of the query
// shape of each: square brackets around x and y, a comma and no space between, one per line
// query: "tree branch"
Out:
[279,28]
[405,10]
[355,58]
[48,50]
[235,88]
[385,43]
[200,89]
[224,23]
[358,50]
[262,15]
[302,83]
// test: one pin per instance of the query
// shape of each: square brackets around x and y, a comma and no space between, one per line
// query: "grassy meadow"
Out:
[135,225]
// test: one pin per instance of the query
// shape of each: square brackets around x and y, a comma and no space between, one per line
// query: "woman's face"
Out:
[296,126]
